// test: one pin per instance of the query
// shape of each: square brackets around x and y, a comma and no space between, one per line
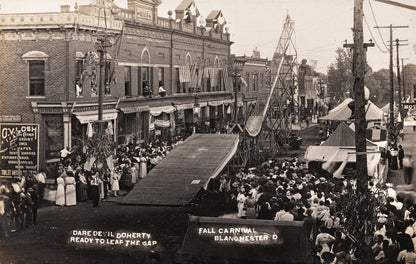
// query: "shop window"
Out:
[127,83]
[36,78]
[55,136]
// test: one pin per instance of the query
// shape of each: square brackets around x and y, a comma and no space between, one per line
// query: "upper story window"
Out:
[36,64]
[79,67]
[127,84]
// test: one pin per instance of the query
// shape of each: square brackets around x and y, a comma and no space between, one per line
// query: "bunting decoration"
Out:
[184,74]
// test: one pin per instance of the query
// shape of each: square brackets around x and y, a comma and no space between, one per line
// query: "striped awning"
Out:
[155,111]
[91,116]
[134,109]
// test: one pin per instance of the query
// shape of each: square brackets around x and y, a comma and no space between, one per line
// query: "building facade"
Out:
[157,76]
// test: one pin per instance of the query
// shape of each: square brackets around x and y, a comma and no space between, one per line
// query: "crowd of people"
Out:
[291,190]
[19,202]
[79,177]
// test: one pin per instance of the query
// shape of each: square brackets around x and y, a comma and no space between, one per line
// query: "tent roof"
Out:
[342,112]
[343,136]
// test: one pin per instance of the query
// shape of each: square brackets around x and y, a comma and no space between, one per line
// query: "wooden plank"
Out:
[170,182]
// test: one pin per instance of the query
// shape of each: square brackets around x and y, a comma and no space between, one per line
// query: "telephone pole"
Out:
[392,137]
[359,64]
[401,87]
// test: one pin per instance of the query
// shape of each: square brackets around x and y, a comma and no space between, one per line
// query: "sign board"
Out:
[10,118]
[22,138]
[245,239]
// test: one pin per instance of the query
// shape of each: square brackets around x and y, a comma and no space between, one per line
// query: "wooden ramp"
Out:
[181,174]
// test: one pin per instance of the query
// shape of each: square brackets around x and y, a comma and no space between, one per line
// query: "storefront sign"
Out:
[10,118]
[19,142]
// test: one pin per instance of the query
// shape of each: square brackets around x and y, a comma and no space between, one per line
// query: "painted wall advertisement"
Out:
[19,144]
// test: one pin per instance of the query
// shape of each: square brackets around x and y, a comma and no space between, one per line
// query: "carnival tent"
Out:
[340,147]
[342,112]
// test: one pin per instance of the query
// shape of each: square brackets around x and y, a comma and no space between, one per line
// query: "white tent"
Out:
[340,148]
[343,113]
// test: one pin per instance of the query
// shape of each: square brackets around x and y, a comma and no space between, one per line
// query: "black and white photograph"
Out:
[208,131]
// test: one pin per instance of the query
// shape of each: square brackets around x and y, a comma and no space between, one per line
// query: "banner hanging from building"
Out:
[19,144]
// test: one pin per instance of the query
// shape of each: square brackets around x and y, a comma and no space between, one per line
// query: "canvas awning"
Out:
[134,109]
[216,103]
[91,116]
[162,123]
[155,111]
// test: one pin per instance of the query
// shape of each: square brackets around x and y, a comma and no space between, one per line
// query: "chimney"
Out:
[65,8]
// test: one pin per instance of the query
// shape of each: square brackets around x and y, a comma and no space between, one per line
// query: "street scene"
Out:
[207,131]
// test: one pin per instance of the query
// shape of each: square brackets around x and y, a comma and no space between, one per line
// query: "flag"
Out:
[194,77]
[224,73]
[200,76]
[213,76]
[243,82]
[184,74]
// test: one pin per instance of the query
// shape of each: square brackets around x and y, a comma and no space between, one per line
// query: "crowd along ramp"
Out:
[184,171]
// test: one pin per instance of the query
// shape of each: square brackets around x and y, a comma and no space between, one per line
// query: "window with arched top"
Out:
[145,72]
[36,63]
[188,59]
[216,62]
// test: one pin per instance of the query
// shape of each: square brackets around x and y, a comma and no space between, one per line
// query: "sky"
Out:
[321,26]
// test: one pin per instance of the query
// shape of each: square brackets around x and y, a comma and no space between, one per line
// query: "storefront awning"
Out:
[216,103]
[91,116]
[185,106]
[162,123]
[134,109]
[155,111]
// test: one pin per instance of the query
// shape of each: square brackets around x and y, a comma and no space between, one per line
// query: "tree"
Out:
[379,84]
[409,76]
[340,77]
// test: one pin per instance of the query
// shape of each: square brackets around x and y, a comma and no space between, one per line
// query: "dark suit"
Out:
[401,157]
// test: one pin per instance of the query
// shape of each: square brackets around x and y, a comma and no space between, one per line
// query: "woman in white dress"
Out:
[70,192]
[143,167]
[115,177]
[60,192]
[134,173]
[241,200]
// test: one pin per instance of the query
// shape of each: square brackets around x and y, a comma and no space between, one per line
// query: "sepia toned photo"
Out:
[207,131]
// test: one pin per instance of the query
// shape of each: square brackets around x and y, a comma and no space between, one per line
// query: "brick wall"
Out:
[14,84]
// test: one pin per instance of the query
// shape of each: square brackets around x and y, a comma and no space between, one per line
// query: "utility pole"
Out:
[102,44]
[392,137]
[404,78]
[359,63]
[399,76]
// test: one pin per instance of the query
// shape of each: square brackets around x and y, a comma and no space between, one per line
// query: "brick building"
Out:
[50,72]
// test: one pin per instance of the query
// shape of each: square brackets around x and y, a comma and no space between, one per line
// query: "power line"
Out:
[372,36]
[375,21]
